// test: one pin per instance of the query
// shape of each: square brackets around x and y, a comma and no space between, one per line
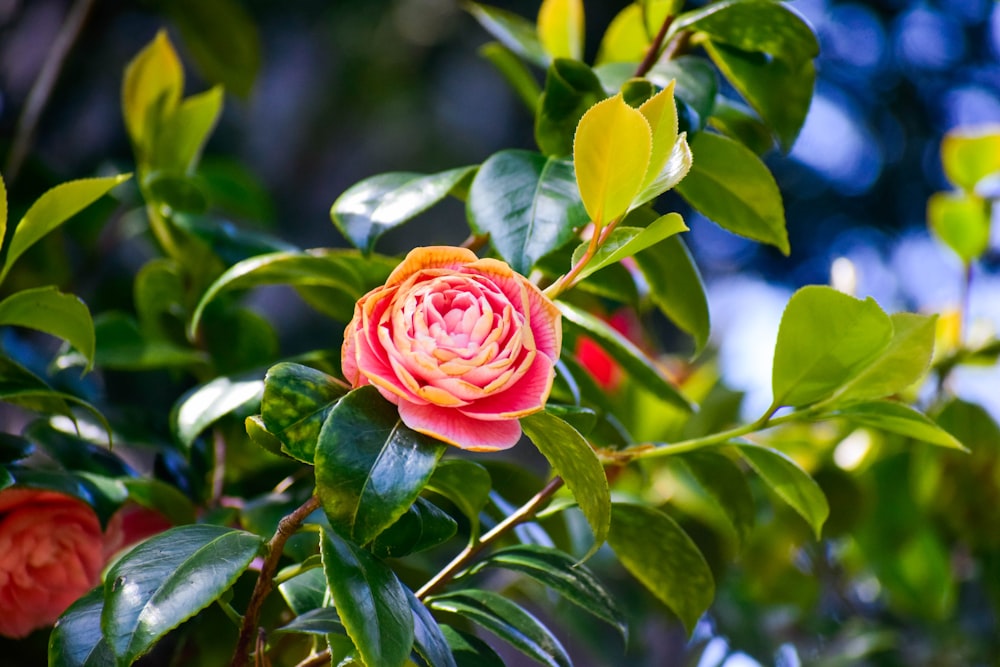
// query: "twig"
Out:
[41,90]
[265,582]
[653,53]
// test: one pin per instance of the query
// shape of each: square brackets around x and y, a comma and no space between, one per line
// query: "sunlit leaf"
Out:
[570,89]
[660,555]
[790,482]
[611,153]
[970,154]
[370,601]
[739,122]
[151,90]
[676,287]
[515,32]
[627,241]
[560,28]
[296,402]
[199,408]
[179,142]
[753,25]
[305,592]
[49,310]
[898,418]
[962,222]
[76,639]
[625,40]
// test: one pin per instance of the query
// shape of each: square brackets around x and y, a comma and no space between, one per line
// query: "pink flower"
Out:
[464,346]
[129,525]
[51,553]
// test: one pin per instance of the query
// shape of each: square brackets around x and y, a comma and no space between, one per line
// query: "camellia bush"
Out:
[499,440]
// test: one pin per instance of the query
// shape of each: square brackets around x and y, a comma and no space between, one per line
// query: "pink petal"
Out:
[521,398]
[430,257]
[451,426]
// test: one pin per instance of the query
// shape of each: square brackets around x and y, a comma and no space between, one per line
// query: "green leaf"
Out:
[305,592]
[222,39]
[122,346]
[660,555]
[202,406]
[54,208]
[159,294]
[903,362]
[258,433]
[514,71]
[790,482]
[563,574]
[321,621]
[515,32]
[428,639]
[371,602]
[897,418]
[970,154]
[369,466]
[560,28]
[49,310]
[14,447]
[5,478]
[733,188]
[76,639]
[506,620]
[697,84]
[296,402]
[962,222]
[161,497]
[178,145]
[3,211]
[152,87]
[466,484]
[421,527]
[725,483]
[168,579]
[369,209]
[611,154]
[627,241]
[570,89]
[577,321]
[470,650]
[527,203]
[825,339]
[753,25]
[573,459]
[75,453]
[780,90]
[676,287]
[739,122]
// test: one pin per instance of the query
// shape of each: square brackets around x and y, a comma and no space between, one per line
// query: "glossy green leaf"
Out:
[506,620]
[570,89]
[970,154]
[780,90]
[513,31]
[151,90]
[369,209]
[78,454]
[581,418]
[305,592]
[296,402]
[900,365]
[790,482]
[372,604]
[3,211]
[76,639]
[168,579]
[733,188]
[563,574]
[428,639]
[527,203]
[469,650]
[514,71]
[182,137]
[159,294]
[573,459]
[962,222]
[222,39]
[577,321]
[47,309]
[696,84]
[122,346]
[369,466]
[676,287]
[753,25]
[560,28]
[660,555]
[202,406]
[611,154]
[465,483]
[54,208]
[627,241]
[825,339]
[723,480]
[319,621]
[161,497]
[19,386]
[898,418]
[676,168]
[660,111]
[423,526]
[739,122]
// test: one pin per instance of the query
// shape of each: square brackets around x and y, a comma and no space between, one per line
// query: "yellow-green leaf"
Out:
[184,133]
[625,40]
[154,82]
[970,154]
[962,221]
[3,211]
[611,153]
[560,28]
[660,112]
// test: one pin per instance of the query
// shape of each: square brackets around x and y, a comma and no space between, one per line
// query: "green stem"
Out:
[685,446]
[567,281]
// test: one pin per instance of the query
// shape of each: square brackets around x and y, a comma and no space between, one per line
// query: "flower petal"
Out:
[521,398]
[430,257]
[451,426]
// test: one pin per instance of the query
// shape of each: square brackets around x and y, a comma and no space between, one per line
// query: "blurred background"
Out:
[328,93]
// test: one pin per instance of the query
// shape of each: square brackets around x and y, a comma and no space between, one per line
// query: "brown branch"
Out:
[653,53]
[41,90]
[265,582]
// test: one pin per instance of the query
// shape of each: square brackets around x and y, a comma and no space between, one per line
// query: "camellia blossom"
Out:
[463,346]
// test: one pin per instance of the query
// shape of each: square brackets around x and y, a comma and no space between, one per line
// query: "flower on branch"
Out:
[463,346]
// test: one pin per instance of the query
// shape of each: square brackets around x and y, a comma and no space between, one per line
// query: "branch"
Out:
[38,96]
[653,53]
[265,582]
